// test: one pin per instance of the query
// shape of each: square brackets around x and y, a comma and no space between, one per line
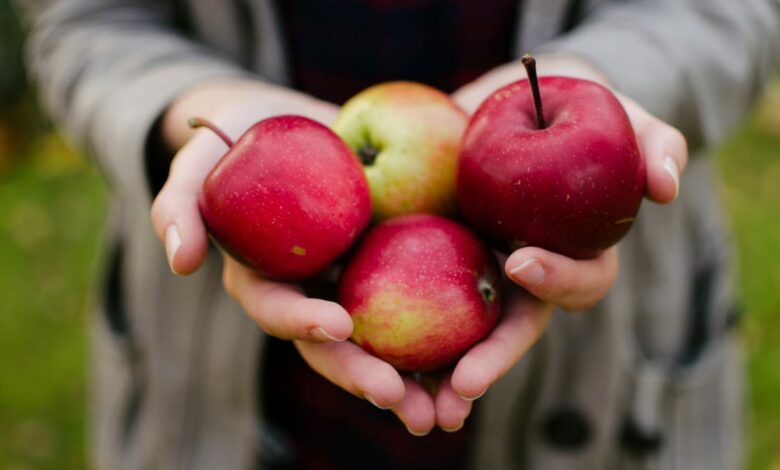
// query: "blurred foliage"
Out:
[52,208]
[750,171]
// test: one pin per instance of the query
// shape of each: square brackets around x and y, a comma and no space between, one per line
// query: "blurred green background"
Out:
[52,207]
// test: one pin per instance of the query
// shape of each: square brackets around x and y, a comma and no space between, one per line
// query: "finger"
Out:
[451,410]
[416,410]
[573,284]
[665,151]
[523,323]
[282,310]
[354,370]
[175,214]
[666,156]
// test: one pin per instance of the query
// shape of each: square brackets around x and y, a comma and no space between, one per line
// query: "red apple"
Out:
[569,179]
[407,135]
[287,199]
[421,290]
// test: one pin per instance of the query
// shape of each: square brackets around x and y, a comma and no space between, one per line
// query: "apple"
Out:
[287,199]
[567,177]
[407,135]
[421,290]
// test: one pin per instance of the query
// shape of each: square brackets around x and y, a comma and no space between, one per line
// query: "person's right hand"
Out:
[281,310]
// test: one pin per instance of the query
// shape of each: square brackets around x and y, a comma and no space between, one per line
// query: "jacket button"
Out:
[640,442]
[566,428]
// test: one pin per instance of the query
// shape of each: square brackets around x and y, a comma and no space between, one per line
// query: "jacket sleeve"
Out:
[106,70]
[696,64]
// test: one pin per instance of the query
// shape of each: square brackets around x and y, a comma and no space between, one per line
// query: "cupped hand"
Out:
[580,284]
[281,310]
[547,279]
[319,327]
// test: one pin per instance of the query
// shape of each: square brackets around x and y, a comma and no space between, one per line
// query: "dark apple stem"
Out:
[197,122]
[530,67]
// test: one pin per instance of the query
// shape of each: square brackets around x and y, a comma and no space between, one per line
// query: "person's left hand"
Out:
[545,278]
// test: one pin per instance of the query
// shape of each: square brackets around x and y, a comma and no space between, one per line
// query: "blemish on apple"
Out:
[299,250]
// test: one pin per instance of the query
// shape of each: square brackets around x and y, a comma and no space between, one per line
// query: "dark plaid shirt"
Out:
[338,48]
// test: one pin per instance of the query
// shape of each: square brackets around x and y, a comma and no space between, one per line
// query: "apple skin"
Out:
[573,187]
[416,131]
[421,290]
[287,199]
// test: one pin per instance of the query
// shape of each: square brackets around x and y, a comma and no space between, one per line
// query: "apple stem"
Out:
[530,67]
[197,122]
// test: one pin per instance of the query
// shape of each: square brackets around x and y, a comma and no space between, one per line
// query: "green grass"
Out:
[750,170]
[51,210]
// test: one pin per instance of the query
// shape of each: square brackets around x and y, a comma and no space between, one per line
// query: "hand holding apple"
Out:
[234,106]
[663,147]
[548,275]
[281,310]
[287,198]
[567,176]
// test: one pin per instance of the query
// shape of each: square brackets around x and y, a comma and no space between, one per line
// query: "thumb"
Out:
[175,215]
[664,148]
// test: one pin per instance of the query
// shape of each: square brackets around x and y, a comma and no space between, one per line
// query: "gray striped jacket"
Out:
[650,378]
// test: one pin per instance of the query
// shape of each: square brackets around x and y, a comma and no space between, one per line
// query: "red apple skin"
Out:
[287,199]
[573,187]
[421,290]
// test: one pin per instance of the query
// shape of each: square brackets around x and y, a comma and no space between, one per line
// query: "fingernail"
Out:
[530,272]
[671,167]
[473,398]
[172,244]
[418,434]
[371,400]
[455,429]
[323,335]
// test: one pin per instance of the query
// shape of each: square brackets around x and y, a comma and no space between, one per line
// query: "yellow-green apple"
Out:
[567,176]
[287,199]
[407,135]
[421,290]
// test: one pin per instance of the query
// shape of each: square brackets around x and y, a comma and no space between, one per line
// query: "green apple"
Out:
[407,135]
